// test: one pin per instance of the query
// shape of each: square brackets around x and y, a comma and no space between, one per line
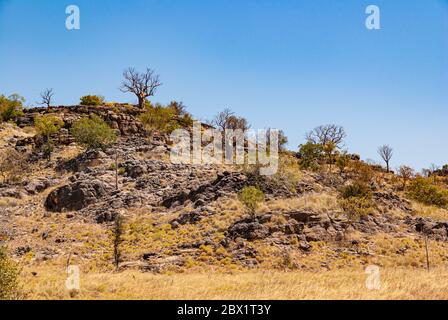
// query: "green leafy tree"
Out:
[92,100]
[93,133]
[11,107]
[9,277]
[310,155]
[251,197]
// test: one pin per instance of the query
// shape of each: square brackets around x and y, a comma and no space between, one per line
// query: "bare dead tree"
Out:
[46,97]
[221,119]
[405,173]
[143,85]
[433,168]
[227,119]
[325,134]
[386,153]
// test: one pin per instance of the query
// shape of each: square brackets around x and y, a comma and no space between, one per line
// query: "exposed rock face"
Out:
[226,184]
[390,201]
[248,229]
[308,227]
[120,117]
[39,185]
[434,229]
[76,196]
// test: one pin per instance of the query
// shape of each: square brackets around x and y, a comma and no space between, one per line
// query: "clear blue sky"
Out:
[291,65]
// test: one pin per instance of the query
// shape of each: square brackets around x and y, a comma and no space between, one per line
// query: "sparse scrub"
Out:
[9,277]
[422,190]
[92,100]
[13,165]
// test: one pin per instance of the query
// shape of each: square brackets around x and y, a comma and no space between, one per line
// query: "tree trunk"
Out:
[427,253]
[141,102]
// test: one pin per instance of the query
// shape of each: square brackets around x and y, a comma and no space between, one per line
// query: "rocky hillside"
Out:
[182,217]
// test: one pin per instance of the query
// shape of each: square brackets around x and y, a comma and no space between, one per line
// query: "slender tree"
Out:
[46,97]
[117,239]
[386,153]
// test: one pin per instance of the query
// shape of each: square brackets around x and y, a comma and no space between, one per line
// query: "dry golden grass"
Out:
[337,284]
[422,210]
[322,202]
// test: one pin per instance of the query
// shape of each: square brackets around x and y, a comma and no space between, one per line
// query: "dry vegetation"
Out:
[399,283]
[326,270]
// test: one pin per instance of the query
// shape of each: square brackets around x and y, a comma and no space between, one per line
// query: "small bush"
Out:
[355,200]
[251,197]
[160,118]
[422,190]
[362,171]
[93,133]
[92,100]
[46,125]
[9,277]
[355,207]
[357,189]
[11,107]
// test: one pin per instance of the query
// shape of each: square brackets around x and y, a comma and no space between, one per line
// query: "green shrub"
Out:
[160,118]
[357,189]
[9,277]
[251,197]
[46,125]
[310,155]
[93,133]
[422,190]
[356,207]
[355,200]
[11,107]
[92,100]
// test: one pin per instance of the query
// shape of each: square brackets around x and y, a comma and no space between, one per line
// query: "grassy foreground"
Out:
[335,284]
